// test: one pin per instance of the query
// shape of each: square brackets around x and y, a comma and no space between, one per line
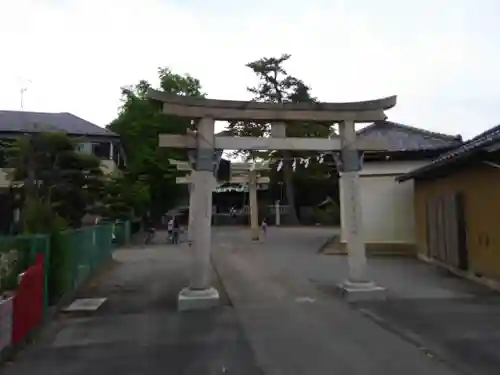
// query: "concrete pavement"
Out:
[293,327]
[445,318]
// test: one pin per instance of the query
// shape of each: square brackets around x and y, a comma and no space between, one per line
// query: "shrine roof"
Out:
[488,141]
[409,138]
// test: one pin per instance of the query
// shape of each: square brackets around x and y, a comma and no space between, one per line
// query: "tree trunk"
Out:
[289,188]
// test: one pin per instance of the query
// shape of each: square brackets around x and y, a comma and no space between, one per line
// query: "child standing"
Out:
[263,227]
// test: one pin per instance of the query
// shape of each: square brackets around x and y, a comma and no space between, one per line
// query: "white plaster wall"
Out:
[84,147]
[390,167]
[108,166]
[387,205]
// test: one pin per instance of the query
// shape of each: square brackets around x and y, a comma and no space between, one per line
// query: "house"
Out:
[457,207]
[101,142]
[387,205]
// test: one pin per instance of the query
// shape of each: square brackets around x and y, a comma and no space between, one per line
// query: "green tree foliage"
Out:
[124,199]
[276,85]
[55,179]
[139,123]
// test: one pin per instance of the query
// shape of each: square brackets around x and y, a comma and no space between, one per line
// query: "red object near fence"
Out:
[28,301]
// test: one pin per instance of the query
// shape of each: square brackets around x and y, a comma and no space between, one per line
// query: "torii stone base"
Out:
[191,299]
[356,292]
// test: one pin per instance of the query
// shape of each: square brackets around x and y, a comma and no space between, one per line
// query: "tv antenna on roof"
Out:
[24,88]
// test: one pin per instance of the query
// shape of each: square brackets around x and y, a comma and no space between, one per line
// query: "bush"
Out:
[60,258]
[15,257]
[327,216]
[41,218]
[38,216]
[10,265]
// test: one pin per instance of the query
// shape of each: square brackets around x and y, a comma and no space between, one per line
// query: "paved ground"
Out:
[138,331]
[434,314]
[280,316]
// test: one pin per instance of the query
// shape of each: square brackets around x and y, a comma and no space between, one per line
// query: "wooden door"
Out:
[463,254]
[450,226]
[432,235]
[441,229]
[447,230]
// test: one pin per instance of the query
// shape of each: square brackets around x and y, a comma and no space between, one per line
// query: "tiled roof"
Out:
[408,138]
[467,149]
[29,122]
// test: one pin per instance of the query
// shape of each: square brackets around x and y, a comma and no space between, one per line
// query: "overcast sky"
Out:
[441,57]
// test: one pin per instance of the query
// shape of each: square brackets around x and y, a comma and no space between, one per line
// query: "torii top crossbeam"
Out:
[195,108]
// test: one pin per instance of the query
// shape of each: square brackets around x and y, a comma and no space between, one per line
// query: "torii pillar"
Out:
[358,280]
[192,207]
[254,204]
[185,166]
[200,294]
[278,130]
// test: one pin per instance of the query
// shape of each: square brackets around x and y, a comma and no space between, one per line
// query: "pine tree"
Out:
[277,86]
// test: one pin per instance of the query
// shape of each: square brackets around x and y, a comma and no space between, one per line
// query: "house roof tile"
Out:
[29,122]
[474,145]
[408,138]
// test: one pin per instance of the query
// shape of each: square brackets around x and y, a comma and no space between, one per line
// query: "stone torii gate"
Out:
[240,173]
[200,294]
[250,173]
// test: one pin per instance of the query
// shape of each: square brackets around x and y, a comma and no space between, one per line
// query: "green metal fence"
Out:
[122,233]
[70,256]
[82,251]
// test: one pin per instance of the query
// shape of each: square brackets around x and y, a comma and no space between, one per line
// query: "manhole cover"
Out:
[85,304]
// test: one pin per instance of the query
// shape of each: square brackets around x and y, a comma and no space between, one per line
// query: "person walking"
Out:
[263,227]
[149,229]
[170,228]
[175,230]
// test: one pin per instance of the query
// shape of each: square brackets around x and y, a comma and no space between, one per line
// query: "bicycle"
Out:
[150,235]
